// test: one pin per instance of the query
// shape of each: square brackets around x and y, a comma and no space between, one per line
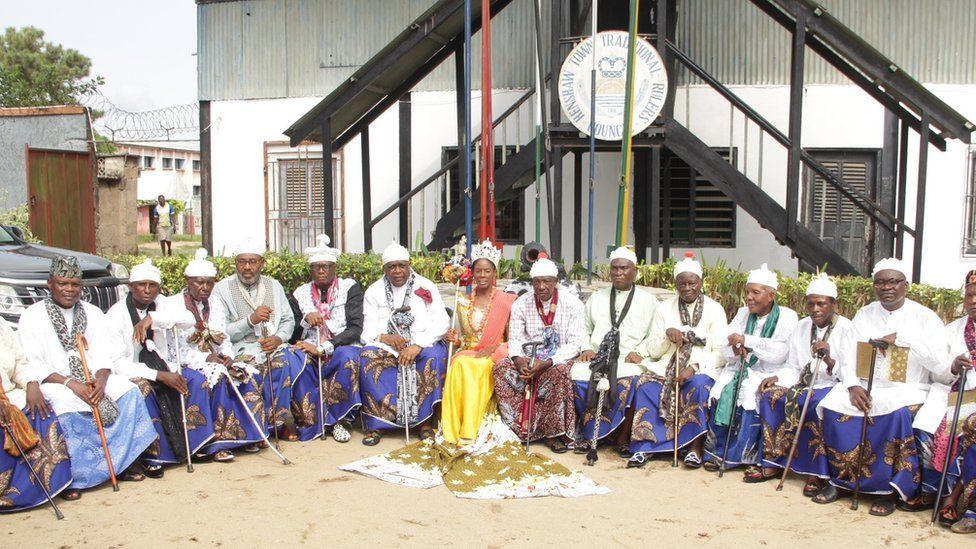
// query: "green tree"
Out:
[35,73]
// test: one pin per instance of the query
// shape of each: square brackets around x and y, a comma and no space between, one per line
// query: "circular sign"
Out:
[650,85]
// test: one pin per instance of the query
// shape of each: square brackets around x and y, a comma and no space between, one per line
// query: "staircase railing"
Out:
[442,174]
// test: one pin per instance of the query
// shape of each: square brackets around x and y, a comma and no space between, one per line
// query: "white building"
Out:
[266,63]
[169,168]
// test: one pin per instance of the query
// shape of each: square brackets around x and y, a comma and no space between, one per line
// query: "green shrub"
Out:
[722,283]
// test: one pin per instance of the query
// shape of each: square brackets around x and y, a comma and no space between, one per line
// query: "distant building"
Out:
[170,168]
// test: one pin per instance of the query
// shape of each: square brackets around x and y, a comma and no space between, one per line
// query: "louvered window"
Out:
[301,182]
[700,214]
[833,217]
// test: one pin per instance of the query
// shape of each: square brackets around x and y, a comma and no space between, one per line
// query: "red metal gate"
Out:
[61,195]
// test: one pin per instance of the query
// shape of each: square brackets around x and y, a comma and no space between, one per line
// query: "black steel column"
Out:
[652,159]
[796,117]
[327,182]
[882,241]
[406,179]
[638,200]
[556,231]
[578,206]
[367,201]
[666,199]
[902,187]
[206,179]
[923,162]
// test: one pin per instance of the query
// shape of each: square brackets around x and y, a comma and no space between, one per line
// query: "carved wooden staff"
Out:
[82,347]
[803,416]
[735,403]
[273,408]
[318,347]
[528,400]
[952,443]
[875,345]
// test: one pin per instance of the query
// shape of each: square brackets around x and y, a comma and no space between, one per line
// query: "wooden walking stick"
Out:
[960,396]
[677,397]
[186,429]
[735,403]
[803,417]
[30,466]
[82,347]
[318,346]
[875,345]
[273,408]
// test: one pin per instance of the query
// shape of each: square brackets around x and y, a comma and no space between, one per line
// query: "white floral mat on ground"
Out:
[495,466]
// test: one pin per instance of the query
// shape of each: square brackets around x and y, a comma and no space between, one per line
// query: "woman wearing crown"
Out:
[481,341]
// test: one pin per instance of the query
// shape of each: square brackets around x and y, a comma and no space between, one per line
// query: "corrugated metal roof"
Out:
[931,40]
[289,48]
[286,48]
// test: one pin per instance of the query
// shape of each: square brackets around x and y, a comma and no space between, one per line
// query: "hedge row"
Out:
[724,284]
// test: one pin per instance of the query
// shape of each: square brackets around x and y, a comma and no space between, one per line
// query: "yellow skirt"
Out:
[468,388]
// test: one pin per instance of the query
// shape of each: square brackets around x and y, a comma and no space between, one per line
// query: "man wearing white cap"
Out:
[757,346]
[553,320]
[404,362]
[205,348]
[901,458]
[685,342]
[49,331]
[618,319]
[259,323]
[823,344]
[139,340]
[332,320]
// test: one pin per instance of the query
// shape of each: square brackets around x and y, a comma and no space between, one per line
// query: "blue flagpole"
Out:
[466,156]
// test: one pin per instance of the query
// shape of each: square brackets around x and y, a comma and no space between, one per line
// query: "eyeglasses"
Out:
[243,261]
[887,282]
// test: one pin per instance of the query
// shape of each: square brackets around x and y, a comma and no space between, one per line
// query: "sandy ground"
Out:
[257,502]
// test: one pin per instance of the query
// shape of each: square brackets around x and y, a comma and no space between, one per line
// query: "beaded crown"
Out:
[486,250]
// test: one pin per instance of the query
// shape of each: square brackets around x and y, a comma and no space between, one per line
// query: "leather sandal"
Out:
[882,507]
[828,494]
[223,456]
[948,516]
[916,504]
[755,475]
[153,471]
[372,438]
[558,446]
[70,494]
[637,461]
[812,487]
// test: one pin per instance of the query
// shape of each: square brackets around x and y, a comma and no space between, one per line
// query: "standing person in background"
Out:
[165,217]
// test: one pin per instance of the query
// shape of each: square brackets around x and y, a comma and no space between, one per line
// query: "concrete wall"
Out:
[115,211]
[49,131]
[834,117]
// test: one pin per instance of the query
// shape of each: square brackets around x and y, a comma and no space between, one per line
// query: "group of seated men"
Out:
[214,370]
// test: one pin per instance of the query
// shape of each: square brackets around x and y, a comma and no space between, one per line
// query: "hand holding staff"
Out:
[82,347]
[528,400]
[30,466]
[735,402]
[272,415]
[952,443]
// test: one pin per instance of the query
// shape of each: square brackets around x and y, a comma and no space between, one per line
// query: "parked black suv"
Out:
[24,270]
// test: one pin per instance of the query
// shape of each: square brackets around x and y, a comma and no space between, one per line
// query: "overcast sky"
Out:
[145,49]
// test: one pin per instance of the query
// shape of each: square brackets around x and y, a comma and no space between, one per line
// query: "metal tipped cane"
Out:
[529,398]
[735,403]
[602,386]
[179,372]
[952,442]
[272,415]
[257,425]
[318,345]
[402,396]
[803,417]
[677,398]
[30,466]
[875,345]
